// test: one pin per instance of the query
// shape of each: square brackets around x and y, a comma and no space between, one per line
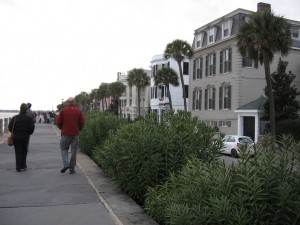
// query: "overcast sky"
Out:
[53,49]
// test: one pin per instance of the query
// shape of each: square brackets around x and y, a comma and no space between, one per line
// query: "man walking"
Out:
[70,121]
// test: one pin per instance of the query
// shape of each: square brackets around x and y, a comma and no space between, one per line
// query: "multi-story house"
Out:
[159,94]
[226,89]
[129,99]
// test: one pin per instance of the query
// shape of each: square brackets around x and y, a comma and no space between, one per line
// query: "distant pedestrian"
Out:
[23,128]
[70,121]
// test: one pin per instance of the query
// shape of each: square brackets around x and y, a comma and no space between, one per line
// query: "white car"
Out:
[232,144]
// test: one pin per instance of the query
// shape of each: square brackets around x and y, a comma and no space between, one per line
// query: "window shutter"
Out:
[205,99]
[206,65]
[214,98]
[201,67]
[220,97]
[229,97]
[229,59]
[214,64]
[194,100]
[194,69]
[221,62]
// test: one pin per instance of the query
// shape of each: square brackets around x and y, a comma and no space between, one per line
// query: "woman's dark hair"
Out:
[23,108]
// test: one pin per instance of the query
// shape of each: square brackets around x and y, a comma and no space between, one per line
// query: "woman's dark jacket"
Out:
[23,128]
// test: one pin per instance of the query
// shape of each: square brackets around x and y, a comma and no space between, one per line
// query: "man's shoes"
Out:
[72,171]
[18,170]
[64,169]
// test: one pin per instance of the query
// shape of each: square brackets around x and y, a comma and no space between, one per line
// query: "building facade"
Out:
[129,99]
[222,81]
[159,94]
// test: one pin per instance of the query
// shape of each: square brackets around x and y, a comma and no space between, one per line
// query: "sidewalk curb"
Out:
[122,209]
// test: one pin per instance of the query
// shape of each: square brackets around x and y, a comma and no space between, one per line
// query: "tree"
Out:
[103,94]
[166,76]
[116,89]
[178,50]
[83,100]
[259,38]
[139,78]
[286,105]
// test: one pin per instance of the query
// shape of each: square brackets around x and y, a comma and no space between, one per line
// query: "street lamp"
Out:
[62,103]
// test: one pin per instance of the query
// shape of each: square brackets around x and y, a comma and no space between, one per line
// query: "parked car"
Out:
[233,143]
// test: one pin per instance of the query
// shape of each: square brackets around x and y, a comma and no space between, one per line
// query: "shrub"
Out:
[142,154]
[96,130]
[289,127]
[263,190]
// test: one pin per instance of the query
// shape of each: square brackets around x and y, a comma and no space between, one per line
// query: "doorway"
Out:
[249,126]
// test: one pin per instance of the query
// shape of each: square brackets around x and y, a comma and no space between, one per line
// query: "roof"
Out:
[257,104]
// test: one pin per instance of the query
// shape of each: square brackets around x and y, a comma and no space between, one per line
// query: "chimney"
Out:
[263,7]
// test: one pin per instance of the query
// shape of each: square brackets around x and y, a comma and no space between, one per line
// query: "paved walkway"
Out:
[42,195]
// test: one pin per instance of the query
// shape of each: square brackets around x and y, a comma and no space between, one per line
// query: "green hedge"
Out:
[142,154]
[263,190]
[96,130]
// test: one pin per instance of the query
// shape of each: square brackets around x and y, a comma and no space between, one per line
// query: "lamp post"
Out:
[62,103]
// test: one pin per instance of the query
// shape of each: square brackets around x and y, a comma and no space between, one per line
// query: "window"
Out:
[226,28]
[185,68]
[225,60]
[247,62]
[186,88]
[197,97]
[199,38]
[225,123]
[153,92]
[210,96]
[211,35]
[295,32]
[210,64]
[225,97]
[197,68]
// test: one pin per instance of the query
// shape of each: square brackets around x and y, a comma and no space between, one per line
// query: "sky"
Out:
[54,49]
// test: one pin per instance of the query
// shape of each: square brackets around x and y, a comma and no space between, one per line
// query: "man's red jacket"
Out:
[70,121]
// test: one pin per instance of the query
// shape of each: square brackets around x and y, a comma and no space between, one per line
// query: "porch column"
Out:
[257,128]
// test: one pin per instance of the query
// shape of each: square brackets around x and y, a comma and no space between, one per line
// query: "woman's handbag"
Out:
[10,140]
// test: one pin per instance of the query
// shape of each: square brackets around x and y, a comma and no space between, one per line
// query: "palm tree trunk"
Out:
[170,99]
[139,102]
[182,85]
[270,93]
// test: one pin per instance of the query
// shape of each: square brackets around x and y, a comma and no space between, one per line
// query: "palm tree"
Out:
[83,100]
[178,50]
[166,76]
[116,89]
[139,78]
[260,37]
[93,96]
[103,94]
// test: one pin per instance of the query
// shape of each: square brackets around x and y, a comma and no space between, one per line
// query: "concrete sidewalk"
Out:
[42,195]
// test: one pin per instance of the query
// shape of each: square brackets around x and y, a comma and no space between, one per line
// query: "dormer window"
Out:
[199,38]
[226,28]
[211,35]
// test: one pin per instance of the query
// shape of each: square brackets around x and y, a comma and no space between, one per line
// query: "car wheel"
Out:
[234,153]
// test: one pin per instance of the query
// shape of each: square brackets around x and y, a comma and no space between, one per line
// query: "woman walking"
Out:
[22,127]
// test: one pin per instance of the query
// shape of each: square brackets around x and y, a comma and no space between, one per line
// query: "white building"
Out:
[129,99]
[159,94]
